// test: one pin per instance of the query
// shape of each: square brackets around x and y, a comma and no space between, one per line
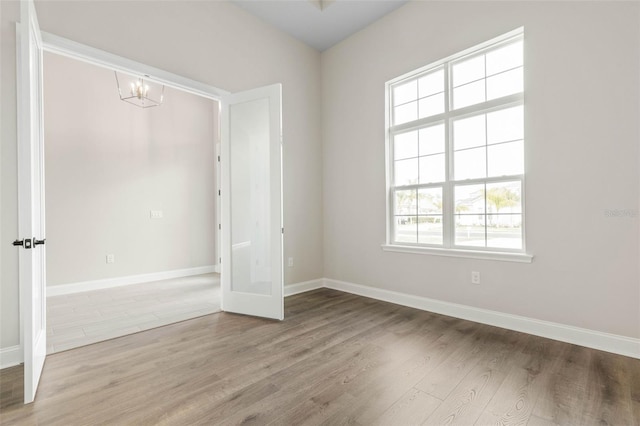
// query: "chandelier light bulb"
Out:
[139,91]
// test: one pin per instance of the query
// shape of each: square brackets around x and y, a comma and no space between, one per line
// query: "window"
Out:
[455,151]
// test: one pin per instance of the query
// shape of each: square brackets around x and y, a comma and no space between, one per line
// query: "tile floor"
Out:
[83,318]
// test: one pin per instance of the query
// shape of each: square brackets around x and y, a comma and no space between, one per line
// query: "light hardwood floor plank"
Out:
[410,360]
[453,369]
[608,399]
[333,395]
[515,399]
[468,400]
[634,388]
[413,408]
[563,400]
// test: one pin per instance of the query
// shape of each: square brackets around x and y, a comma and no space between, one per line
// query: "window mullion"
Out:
[485,77]
[486,214]
[447,188]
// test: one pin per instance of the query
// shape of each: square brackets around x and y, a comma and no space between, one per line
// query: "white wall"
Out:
[582,97]
[108,163]
[213,42]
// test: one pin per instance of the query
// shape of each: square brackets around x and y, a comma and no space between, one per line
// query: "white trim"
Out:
[59,290]
[11,356]
[449,115]
[62,46]
[297,288]
[470,254]
[622,345]
[478,47]
[216,268]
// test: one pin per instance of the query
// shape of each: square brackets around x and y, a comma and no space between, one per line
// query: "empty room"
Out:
[138,178]
[427,211]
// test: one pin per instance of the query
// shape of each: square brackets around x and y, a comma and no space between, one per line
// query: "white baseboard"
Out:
[622,345]
[59,290]
[10,356]
[291,289]
[217,268]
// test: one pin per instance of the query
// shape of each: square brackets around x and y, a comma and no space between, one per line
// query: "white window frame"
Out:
[448,248]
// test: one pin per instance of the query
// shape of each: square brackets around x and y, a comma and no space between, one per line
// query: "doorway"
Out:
[241,128]
[132,205]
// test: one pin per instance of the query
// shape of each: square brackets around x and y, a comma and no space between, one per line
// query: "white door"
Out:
[31,200]
[251,266]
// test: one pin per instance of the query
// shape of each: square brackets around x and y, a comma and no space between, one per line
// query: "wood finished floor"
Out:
[81,319]
[335,359]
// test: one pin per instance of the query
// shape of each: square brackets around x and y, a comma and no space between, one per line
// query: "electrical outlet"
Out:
[475,277]
[156,214]
[111,258]
[290,262]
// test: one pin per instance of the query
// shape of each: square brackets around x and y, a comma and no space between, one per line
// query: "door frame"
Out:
[58,45]
[65,47]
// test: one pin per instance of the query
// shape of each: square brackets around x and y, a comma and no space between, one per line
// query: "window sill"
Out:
[470,254]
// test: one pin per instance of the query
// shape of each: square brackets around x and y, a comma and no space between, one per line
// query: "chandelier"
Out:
[138,91]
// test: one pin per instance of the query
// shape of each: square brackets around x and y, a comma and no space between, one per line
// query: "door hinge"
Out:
[218,158]
[219,226]
[218,192]
[283,230]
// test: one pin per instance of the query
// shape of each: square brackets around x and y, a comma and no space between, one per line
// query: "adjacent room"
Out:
[131,193]
[439,222]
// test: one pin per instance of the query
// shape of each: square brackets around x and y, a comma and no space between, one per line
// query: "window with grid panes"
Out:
[456,151]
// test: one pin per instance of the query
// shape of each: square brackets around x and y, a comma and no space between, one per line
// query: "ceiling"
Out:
[319,23]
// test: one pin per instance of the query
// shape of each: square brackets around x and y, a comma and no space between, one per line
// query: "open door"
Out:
[31,200]
[251,266]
